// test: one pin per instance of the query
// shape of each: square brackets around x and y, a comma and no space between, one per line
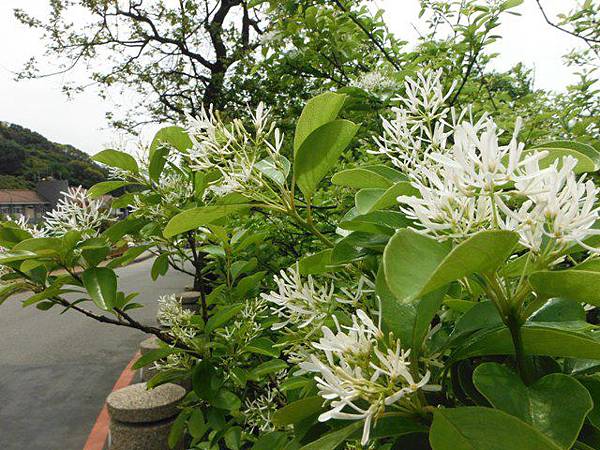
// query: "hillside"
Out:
[27,156]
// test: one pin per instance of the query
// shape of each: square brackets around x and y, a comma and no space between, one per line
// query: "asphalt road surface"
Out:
[56,370]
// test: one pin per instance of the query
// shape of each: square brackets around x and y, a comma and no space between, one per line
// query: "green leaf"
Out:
[369,200]
[104,187]
[262,346]
[115,158]
[160,266]
[271,441]
[20,255]
[10,289]
[177,429]
[577,285]
[197,426]
[157,162]
[320,151]
[320,262]
[222,317]
[266,368]
[592,384]
[297,411]
[124,227]
[233,438]
[556,404]
[317,112]
[537,340]
[277,171]
[376,176]
[226,400]
[415,265]
[173,136]
[475,428]
[152,356]
[332,440]
[376,222]
[588,158]
[101,284]
[195,218]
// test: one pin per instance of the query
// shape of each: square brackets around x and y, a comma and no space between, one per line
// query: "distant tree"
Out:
[11,157]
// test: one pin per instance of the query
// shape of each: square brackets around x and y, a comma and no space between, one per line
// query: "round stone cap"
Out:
[137,404]
[188,297]
[147,345]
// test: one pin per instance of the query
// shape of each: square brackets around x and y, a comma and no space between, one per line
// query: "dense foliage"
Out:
[26,157]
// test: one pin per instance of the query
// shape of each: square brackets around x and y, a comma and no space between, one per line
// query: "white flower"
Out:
[421,124]
[23,223]
[76,211]
[302,302]
[235,152]
[375,81]
[480,185]
[171,312]
[299,302]
[355,371]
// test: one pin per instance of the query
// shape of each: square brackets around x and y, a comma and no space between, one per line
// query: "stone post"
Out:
[140,419]
[190,300]
[147,345]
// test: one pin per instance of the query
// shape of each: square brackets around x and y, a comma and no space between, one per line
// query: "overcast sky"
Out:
[41,106]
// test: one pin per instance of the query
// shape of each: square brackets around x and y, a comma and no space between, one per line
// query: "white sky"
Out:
[41,106]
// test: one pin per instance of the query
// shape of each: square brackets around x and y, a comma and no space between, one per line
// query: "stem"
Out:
[514,325]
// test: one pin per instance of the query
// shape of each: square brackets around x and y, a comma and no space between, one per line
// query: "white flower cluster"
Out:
[23,223]
[237,153]
[248,326]
[360,368]
[375,81]
[302,302]
[173,315]
[478,184]
[421,124]
[76,211]
[258,412]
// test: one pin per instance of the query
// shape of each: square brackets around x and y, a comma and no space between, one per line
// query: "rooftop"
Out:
[20,197]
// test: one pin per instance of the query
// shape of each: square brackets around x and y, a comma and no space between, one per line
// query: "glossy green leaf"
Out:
[537,340]
[415,265]
[195,218]
[476,428]
[317,263]
[104,187]
[222,317]
[556,404]
[376,176]
[101,284]
[319,153]
[160,266]
[173,136]
[276,171]
[117,159]
[332,440]
[152,356]
[578,285]
[296,411]
[376,222]
[266,368]
[588,158]
[317,112]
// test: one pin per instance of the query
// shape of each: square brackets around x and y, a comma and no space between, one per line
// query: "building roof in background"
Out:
[20,197]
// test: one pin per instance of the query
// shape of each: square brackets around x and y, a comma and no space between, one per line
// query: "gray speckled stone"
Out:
[153,436]
[189,287]
[136,404]
[189,297]
[147,345]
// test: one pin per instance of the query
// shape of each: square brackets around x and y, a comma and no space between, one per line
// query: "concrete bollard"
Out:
[147,345]
[141,419]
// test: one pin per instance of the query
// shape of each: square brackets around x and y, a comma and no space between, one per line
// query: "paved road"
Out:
[56,370]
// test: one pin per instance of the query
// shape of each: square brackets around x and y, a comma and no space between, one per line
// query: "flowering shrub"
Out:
[452,307]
